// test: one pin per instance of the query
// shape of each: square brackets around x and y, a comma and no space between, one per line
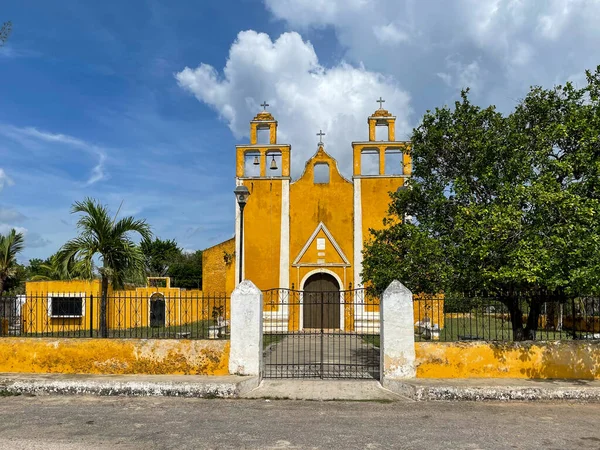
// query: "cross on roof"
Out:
[381,102]
[320,134]
[264,105]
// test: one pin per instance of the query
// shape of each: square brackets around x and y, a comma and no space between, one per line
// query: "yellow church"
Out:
[307,234]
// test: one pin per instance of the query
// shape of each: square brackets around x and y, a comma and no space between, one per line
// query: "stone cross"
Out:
[320,134]
[264,105]
[381,102]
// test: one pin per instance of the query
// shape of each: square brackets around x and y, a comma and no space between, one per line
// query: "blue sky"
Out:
[144,101]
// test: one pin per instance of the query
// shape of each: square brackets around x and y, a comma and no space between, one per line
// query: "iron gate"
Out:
[320,333]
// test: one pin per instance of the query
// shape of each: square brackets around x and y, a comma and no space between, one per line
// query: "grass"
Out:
[269,339]
[193,330]
[478,327]
[488,328]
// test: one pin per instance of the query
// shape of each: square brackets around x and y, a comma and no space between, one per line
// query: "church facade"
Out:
[307,233]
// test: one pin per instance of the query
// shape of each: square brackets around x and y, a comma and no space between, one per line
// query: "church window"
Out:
[381,132]
[394,161]
[321,175]
[274,164]
[263,135]
[252,164]
[369,162]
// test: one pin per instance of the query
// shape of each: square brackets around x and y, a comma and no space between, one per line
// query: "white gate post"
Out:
[397,333]
[245,355]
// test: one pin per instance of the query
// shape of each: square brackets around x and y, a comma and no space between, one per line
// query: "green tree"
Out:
[53,269]
[159,256]
[186,271]
[5,32]
[109,239]
[506,205]
[11,245]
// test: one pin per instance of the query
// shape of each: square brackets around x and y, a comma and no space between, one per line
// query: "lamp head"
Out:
[241,194]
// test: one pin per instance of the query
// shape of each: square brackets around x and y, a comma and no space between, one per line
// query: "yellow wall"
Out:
[126,309]
[262,232]
[35,311]
[376,201]
[218,268]
[330,203]
[564,359]
[114,356]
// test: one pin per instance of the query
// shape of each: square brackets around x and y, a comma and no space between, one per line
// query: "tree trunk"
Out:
[516,318]
[535,308]
[103,307]
[1,286]
[526,333]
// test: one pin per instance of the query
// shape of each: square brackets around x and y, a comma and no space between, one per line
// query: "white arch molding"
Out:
[340,284]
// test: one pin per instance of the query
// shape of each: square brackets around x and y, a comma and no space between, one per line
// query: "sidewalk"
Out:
[503,389]
[473,389]
[128,385]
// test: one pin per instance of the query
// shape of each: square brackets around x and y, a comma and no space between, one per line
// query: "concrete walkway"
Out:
[352,390]
[343,355]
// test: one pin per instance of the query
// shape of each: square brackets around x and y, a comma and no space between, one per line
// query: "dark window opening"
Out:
[66,307]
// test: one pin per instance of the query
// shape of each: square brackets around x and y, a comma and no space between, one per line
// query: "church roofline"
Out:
[335,163]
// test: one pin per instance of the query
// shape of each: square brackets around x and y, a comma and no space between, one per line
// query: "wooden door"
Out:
[321,302]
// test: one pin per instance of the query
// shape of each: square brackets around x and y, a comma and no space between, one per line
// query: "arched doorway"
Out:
[157,310]
[321,302]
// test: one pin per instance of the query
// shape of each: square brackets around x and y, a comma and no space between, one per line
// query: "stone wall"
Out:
[541,360]
[114,356]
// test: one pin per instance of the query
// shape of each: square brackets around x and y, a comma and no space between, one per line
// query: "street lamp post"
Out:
[241,195]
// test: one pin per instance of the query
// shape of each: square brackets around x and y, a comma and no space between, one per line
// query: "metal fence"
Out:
[160,316]
[321,334]
[484,318]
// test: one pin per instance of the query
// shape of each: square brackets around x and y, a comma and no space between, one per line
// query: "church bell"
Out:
[256,161]
[273,164]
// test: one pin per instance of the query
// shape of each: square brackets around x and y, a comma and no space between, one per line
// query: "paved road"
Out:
[73,422]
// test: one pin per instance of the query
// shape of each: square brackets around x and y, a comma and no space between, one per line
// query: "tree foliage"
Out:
[103,236]
[5,30]
[186,271]
[53,269]
[159,256]
[11,244]
[501,204]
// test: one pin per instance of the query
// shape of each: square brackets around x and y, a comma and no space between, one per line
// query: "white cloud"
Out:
[30,138]
[389,34]
[9,215]
[304,95]
[32,240]
[504,45]
[5,180]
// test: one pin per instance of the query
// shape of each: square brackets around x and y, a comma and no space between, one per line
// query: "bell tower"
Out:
[380,167]
[264,168]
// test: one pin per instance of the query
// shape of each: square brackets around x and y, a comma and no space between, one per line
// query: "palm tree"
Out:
[53,269]
[10,245]
[109,239]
